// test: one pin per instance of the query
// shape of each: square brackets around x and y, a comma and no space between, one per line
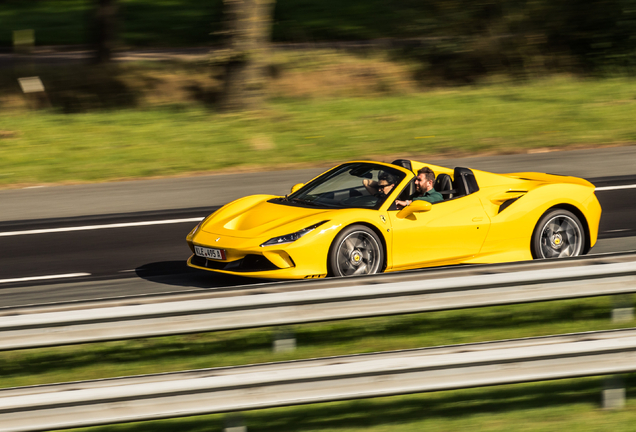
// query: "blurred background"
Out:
[295,82]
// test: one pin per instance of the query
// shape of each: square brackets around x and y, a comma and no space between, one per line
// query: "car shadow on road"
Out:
[177,273]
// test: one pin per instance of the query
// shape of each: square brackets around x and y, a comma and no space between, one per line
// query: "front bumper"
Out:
[251,267]
[304,259]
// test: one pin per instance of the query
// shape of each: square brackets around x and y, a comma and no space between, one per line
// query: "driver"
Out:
[385,184]
[424,185]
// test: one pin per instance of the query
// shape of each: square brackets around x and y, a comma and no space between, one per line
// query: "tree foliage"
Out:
[460,39]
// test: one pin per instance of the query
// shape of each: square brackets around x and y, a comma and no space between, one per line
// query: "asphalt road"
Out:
[156,253]
[123,260]
[46,201]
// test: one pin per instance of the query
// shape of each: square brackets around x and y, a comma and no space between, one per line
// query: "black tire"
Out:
[558,234]
[356,250]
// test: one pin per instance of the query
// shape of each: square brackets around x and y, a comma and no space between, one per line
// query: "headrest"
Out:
[404,163]
[465,181]
[443,182]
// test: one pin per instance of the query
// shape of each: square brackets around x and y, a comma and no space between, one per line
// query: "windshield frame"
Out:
[298,198]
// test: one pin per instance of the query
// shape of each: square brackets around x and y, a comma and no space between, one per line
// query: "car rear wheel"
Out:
[356,250]
[558,234]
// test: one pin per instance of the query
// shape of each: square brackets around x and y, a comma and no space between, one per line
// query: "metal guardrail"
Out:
[55,326]
[149,397]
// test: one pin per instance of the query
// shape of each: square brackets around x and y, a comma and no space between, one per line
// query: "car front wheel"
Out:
[558,234]
[356,250]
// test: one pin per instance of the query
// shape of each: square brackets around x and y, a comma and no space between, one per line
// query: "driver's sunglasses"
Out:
[382,186]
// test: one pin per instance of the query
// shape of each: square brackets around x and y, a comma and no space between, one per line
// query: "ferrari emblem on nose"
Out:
[218,239]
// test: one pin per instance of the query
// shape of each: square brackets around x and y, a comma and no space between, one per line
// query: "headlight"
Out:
[290,238]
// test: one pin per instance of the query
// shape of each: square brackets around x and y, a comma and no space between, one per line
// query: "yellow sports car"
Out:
[358,218]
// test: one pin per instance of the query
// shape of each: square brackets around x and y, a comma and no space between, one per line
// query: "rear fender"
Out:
[512,228]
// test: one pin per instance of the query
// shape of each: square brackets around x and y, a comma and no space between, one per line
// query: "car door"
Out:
[451,231]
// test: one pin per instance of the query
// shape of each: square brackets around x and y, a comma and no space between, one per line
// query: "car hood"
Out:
[255,216]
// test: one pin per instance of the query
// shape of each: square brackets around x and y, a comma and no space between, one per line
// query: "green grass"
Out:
[49,147]
[539,406]
[568,405]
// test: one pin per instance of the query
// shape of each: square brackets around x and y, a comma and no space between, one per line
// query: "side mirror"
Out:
[417,206]
[296,187]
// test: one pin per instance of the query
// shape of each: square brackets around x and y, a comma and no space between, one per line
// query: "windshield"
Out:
[354,185]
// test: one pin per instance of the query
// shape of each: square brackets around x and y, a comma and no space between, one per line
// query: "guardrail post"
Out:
[284,340]
[613,392]
[234,423]
[623,308]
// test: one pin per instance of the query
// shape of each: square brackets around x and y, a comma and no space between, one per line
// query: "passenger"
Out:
[385,184]
[424,185]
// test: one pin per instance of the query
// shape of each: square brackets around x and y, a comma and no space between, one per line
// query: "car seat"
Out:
[444,185]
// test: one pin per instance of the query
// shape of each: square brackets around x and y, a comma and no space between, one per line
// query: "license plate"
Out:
[218,254]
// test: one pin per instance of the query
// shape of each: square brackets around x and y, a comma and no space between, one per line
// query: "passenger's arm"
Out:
[371,186]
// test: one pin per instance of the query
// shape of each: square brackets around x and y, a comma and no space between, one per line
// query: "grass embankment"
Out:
[571,404]
[49,147]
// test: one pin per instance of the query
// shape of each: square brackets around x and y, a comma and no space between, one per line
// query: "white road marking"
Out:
[173,221]
[96,227]
[605,188]
[39,278]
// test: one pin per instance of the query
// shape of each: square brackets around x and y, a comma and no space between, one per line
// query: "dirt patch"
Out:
[262,143]
[4,134]
[369,78]
[86,87]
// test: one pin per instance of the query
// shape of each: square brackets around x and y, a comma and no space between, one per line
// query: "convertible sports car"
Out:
[338,225]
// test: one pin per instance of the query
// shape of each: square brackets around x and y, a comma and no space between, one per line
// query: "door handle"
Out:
[478,219]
